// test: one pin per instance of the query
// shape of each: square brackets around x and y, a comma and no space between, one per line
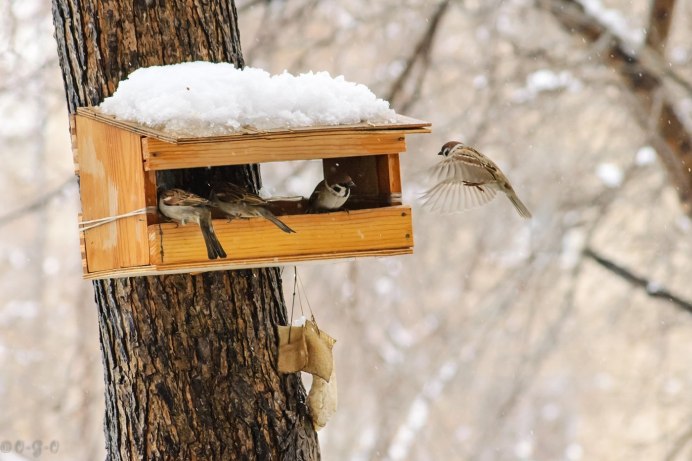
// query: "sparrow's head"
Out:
[344,180]
[448,147]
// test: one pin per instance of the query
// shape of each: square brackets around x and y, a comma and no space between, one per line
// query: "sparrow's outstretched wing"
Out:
[454,195]
[464,168]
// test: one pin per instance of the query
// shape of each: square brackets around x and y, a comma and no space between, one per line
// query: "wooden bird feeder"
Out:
[117,163]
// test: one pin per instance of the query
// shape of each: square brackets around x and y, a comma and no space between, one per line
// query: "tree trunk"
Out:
[190,360]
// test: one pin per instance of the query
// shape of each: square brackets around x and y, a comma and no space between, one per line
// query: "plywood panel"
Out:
[160,155]
[112,182]
[401,123]
[322,235]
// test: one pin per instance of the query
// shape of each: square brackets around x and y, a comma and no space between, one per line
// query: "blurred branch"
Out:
[324,42]
[643,74]
[251,4]
[270,28]
[679,444]
[420,53]
[652,289]
[36,204]
[660,17]
[658,30]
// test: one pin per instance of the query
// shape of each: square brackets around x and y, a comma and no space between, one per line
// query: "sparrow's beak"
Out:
[440,153]
[351,184]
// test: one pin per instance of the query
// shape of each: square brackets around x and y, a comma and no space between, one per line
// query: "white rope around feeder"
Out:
[92,223]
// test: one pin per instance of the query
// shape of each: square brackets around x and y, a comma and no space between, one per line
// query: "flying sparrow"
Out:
[466,179]
[183,207]
[237,202]
[328,197]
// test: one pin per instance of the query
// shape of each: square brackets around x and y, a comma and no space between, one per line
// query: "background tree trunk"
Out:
[189,359]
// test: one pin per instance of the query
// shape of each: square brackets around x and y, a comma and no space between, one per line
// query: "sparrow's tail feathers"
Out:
[214,248]
[519,205]
[277,222]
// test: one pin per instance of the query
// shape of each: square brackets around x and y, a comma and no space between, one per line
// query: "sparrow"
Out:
[328,197]
[237,202]
[183,207]
[466,179]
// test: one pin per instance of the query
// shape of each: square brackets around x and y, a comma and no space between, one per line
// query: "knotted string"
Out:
[92,223]
[297,289]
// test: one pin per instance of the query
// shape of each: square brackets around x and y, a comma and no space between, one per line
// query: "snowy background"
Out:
[500,339]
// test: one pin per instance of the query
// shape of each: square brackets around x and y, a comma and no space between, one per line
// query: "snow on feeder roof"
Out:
[212,99]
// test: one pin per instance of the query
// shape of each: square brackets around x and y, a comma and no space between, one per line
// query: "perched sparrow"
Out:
[466,179]
[237,202]
[327,197]
[183,207]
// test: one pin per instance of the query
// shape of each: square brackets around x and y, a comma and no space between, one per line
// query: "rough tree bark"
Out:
[189,359]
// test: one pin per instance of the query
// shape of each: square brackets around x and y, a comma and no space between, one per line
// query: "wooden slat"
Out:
[402,123]
[73,142]
[82,248]
[219,265]
[317,235]
[112,183]
[150,195]
[95,113]
[159,155]
[389,176]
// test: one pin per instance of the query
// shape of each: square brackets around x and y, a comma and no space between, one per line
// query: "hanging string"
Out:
[293,302]
[300,300]
[299,289]
[92,223]
[312,314]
